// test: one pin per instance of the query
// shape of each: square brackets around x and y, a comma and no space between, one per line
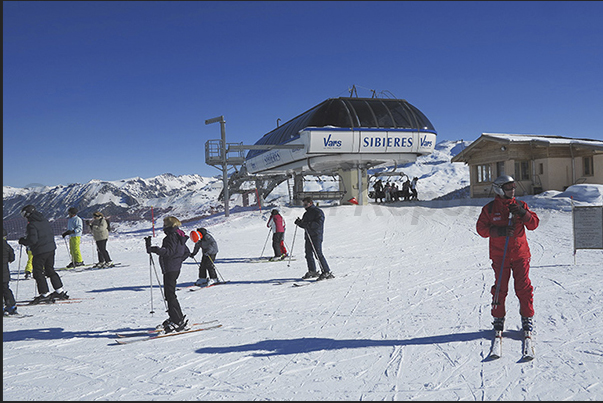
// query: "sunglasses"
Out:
[509,187]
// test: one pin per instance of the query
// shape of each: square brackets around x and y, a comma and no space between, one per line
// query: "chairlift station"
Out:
[342,137]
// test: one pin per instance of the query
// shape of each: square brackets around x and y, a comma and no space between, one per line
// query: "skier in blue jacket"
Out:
[75,228]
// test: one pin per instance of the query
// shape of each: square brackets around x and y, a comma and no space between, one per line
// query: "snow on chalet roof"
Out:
[544,140]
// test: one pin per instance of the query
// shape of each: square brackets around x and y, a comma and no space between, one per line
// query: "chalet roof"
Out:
[519,139]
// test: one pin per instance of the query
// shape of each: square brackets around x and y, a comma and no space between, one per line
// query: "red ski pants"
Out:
[523,287]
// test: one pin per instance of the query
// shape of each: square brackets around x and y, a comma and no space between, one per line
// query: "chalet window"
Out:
[484,173]
[500,168]
[541,169]
[588,166]
[522,170]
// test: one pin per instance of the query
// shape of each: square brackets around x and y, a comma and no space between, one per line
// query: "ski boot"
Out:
[499,324]
[171,327]
[56,294]
[325,275]
[310,274]
[42,299]
[201,282]
[527,324]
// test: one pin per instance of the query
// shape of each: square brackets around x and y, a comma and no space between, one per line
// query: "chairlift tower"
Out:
[218,153]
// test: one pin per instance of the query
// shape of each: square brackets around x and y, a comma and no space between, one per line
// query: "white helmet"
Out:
[501,181]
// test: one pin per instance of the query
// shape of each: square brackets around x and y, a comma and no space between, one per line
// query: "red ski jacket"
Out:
[276,223]
[496,213]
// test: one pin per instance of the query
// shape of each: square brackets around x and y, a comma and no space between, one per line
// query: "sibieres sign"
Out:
[386,142]
[348,141]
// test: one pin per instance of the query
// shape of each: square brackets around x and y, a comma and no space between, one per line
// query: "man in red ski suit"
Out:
[493,223]
[276,223]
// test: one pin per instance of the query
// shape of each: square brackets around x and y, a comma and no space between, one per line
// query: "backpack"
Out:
[108,225]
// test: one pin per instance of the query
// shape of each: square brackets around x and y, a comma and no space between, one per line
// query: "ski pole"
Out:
[197,263]
[151,281]
[314,249]
[18,273]
[216,269]
[502,266]
[265,242]
[94,247]
[69,252]
[158,282]
[292,245]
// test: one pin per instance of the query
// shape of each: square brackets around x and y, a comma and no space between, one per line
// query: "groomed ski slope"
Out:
[407,317]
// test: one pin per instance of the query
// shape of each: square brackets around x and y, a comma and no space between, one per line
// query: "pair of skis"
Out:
[197,287]
[527,347]
[86,267]
[305,282]
[152,334]
[17,316]
[52,302]
[271,260]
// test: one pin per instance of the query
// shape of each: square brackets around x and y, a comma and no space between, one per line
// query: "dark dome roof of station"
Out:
[374,113]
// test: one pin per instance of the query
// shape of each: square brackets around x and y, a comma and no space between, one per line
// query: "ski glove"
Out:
[496,231]
[22,240]
[517,210]
[298,222]
[68,232]
[147,242]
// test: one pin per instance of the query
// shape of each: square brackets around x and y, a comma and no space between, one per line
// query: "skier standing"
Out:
[100,233]
[209,246]
[40,239]
[313,223]
[8,256]
[413,189]
[75,228]
[172,253]
[406,190]
[378,188]
[493,223]
[276,223]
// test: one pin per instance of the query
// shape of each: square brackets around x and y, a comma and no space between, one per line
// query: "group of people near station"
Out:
[390,192]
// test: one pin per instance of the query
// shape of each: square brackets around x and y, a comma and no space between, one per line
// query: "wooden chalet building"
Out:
[537,163]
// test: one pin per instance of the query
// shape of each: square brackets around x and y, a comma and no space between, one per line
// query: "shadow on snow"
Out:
[266,348]
[58,333]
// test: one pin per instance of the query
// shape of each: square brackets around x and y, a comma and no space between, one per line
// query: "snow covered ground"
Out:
[407,316]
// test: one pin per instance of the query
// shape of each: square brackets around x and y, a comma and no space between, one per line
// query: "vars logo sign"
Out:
[425,142]
[329,143]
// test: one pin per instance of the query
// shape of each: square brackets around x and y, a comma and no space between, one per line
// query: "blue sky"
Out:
[115,90]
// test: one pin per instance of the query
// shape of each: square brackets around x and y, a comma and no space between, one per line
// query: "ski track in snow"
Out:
[407,317]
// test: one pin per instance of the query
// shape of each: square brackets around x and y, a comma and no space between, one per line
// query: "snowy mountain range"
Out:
[194,196]
[127,199]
